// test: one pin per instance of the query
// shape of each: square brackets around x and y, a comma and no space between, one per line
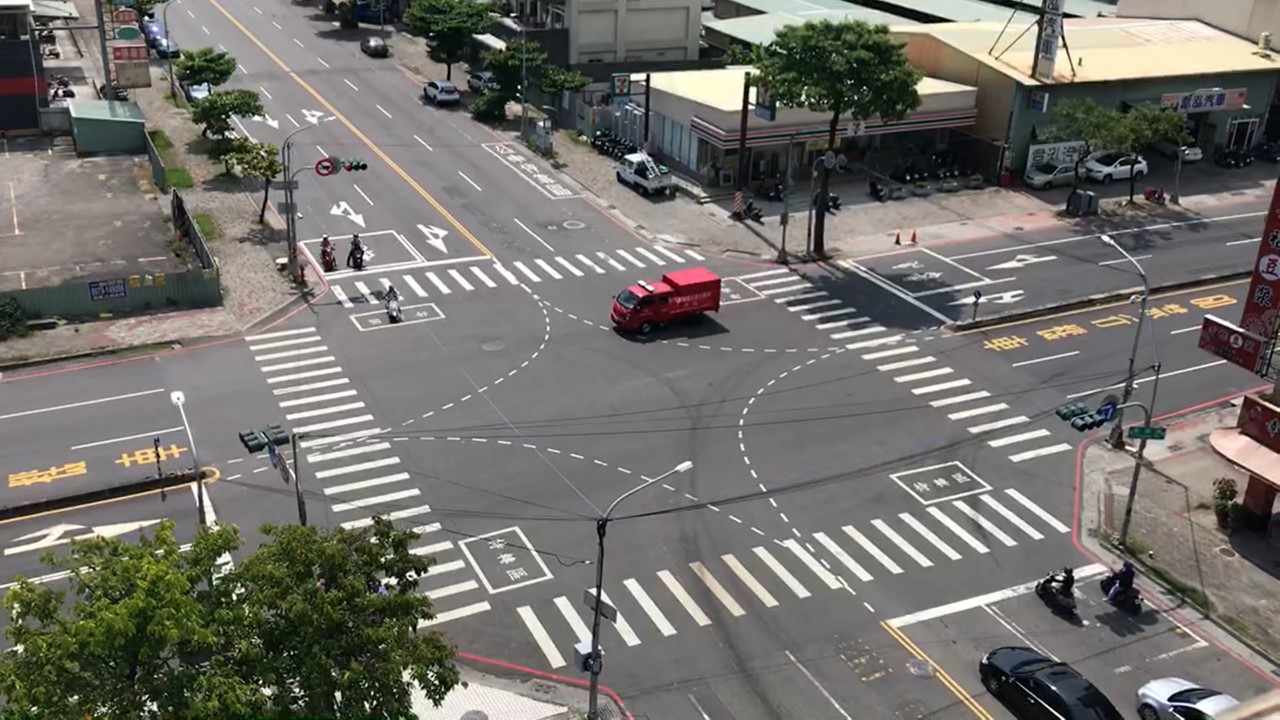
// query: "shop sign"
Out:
[1050,37]
[127,53]
[133,74]
[113,289]
[1233,344]
[766,106]
[1063,152]
[1260,421]
[1262,305]
[1207,100]
[125,16]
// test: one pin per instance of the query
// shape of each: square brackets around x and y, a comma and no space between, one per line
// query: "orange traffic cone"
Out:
[913,237]
[897,240]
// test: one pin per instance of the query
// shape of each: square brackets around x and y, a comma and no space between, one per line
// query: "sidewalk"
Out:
[1234,578]
[507,692]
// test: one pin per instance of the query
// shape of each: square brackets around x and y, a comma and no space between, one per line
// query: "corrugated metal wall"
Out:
[134,293]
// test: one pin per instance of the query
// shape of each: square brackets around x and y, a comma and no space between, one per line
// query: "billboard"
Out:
[1262,305]
[1234,344]
[1260,421]
[1049,38]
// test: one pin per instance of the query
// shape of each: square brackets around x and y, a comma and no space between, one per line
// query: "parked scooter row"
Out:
[1057,590]
[606,143]
[1233,159]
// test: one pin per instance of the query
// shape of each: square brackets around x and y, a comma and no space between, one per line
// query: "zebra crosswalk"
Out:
[366,288]
[358,474]
[687,598]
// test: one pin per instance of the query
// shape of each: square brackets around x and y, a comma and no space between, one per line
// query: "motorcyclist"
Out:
[1124,581]
[356,251]
[326,253]
[391,295]
[1065,581]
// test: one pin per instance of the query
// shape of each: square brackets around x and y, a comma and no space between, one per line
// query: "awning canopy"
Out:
[1252,456]
[54,10]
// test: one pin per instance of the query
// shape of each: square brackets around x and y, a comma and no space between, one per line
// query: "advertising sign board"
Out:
[1262,305]
[1049,39]
[133,74]
[1260,421]
[1234,344]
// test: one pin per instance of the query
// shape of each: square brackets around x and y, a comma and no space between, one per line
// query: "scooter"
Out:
[327,260]
[752,212]
[877,191]
[356,259]
[1154,195]
[1049,591]
[1130,600]
[393,310]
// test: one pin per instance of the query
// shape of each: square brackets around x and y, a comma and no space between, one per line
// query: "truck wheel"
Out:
[646,328]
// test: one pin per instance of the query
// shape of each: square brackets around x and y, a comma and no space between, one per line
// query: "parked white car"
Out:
[1176,699]
[441,92]
[1190,153]
[1105,167]
[1051,174]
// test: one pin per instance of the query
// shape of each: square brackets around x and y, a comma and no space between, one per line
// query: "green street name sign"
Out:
[1146,433]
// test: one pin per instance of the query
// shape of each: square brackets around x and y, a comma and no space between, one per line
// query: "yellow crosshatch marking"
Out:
[1058,332]
[1111,321]
[1006,342]
[1209,302]
[57,472]
[150,456]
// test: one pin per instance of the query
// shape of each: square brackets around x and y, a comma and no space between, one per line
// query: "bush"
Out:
[489,108]
[13,319]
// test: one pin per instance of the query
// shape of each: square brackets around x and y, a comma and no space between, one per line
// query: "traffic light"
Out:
[253,440]
[1081,417]
[352,164]
[1073,411]
[277,435]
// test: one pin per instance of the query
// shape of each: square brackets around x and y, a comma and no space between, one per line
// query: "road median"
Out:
[1089,302]
[53,502]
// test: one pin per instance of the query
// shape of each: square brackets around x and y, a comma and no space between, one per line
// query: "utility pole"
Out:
[648,78]
[1117,430]
[294,444]
[1137,468]
[524,82]
[291,217]
[102,47]
[786,199]
[742,148]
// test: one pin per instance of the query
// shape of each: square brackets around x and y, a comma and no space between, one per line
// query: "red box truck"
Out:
[678,295]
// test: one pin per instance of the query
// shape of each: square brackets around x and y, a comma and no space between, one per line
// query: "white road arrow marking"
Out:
[1021,261]
[275,124]
[343,209]
[312,116]
[58,534]
[435,236]
[1003,298]
[913,265]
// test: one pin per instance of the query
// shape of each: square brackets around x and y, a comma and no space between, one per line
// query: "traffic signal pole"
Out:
[1137,468]
[297,481]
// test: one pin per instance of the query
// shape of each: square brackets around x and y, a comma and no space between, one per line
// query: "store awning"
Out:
[54,10]
[760,137]
[1247,453]
[490,41]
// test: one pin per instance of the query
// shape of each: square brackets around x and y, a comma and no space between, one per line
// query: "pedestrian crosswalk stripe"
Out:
[902,543]
[844,557]
[540,636]
[426,529]
[449,590]
[654,258]
[924,375]
[312,399]
[348,452]
[1009,515]
[940,387]
[960,399]
[285,343]
[291,353]
[304,375]
[929,535]
[784,574]
[475,270]
[620,623]
[989,527]
[569,266]
[650,608]
[342,296]
[872,550]
[998,424]
[587,261]
[1040,452]
[717,589]
[455,613]
[365,292]
[827,314]
[695,255]
[616,265]
[281,333]
[571,616]
[344,437]
[874,343]
[764,273]
[391,516]
[958,531]
[438,283]
[380,499]
[1040,512]
[511,278]
[860,331]
[754,585]
[457,277]
[785,289]
[358,467]
[442,568]
[433,549]
[332,409]
[546,267]
[842,323]
[804,296]
[901,364]
[682,596]
[627,256]
[528,273]
[412,282]
[298,364]
[984,410]
[774,281]
[367,483]
[386,284]
[812,563]
[668,253]
[809,306]
[333,424]
[1020,437]
[904,350]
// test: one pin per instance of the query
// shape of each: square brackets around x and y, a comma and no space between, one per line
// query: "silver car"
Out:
[1051,174]
[1177,699]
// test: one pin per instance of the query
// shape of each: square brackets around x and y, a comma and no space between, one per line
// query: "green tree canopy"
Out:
[510,65]
[249,159]
[1105,129]
[215,112]
[448,26]
[847,70]
[204,65]
[325,622]
[555,81]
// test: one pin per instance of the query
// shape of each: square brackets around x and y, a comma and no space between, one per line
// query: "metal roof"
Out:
[761,29]
[1076,8]
[953,10]
[106,110]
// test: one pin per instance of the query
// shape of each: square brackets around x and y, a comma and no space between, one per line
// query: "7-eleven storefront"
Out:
[695,118]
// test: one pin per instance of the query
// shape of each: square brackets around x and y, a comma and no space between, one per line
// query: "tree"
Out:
[448,25]
[1145,125]
[555,81]
[215,112]
[1081,121]
[204,65]
[510,65]
[846,69]
[250,159]
[347,15]
[146,631]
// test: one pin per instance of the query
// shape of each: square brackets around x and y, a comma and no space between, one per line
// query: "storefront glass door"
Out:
[1240,133]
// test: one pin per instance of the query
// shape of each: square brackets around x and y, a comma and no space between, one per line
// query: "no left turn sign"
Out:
[325,167]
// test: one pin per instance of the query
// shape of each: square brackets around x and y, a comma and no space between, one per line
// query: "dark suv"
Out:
[1035,687]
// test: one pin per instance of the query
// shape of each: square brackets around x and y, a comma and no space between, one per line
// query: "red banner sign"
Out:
[1233,344]
[1262,306]
[1260,421]
[126,53]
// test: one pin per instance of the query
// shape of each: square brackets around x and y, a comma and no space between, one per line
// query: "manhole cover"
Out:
[1227,552]
[493,346]
[920,668]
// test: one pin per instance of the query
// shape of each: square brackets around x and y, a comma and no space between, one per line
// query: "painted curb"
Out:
[111,492]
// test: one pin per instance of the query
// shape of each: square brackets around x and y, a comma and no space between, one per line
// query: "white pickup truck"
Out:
[639,172]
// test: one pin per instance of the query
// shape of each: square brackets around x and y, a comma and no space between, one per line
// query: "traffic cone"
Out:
[897,240]
[913,237]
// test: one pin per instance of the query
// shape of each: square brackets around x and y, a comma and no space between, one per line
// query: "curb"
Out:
[144,349]
[136,487]
[491,664]
[1090,302]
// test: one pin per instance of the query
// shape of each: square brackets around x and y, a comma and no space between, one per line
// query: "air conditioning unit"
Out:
[1264,42]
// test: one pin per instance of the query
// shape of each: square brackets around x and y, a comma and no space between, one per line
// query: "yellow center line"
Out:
[355,131]
[946,679]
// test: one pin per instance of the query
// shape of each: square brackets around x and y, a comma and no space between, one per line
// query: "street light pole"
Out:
[602,527]
[524,82]
[291,219]
[1117,430]
[1137,468]
[178,398]
[168,60]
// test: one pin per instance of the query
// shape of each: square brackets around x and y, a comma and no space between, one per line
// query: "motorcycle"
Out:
[327,260]
[1050,592]
[752,212]
[1129,600]
[393,310]
[877,191]
[1154,195]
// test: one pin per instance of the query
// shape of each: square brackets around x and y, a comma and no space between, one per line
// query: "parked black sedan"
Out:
[1035,687]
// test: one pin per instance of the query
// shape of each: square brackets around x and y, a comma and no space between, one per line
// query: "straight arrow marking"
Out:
[1003,298]
[435,236]
[1020,261]
[343,209]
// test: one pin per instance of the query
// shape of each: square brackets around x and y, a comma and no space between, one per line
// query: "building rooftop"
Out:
[956,10]
[1076,8]
[761,29]
[721,88]
[1107,49]
[12,5]
[107,110]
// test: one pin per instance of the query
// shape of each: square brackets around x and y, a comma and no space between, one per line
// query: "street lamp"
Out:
[602,526]
[291,219]
[1117,430]
[178,398]
[168,61]
[524,81]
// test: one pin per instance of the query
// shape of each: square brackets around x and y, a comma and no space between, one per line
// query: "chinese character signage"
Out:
[1260,421]
[1233,344]
[126,53]
[107,289]
[1063,152]
[1049,39]
[766,108]
[1208,100]
[1262,303]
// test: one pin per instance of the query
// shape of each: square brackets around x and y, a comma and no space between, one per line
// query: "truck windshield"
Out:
[628,299]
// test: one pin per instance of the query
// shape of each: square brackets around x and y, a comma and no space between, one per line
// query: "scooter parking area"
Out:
[1115,649]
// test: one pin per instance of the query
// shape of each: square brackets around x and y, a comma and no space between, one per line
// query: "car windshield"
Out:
[447,87]
[628,299]
[1047,168]
[1192,696]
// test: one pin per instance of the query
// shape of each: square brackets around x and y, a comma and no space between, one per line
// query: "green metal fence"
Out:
[157,166]
[125,294]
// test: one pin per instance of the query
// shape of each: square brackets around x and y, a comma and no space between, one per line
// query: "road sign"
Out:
[326,166]
[1106,411]
[607,611]
[1142,432]
[977,296]
[622,85]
